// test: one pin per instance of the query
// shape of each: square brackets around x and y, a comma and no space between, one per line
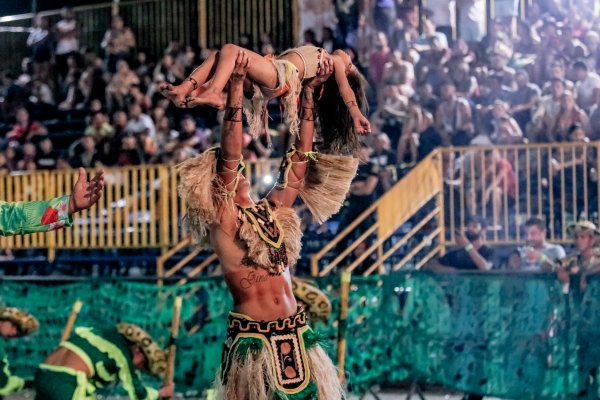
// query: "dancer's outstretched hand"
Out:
[324,72]
[242,65]
[86,193]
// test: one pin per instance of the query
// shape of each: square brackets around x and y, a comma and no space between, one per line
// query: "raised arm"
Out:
[230,163]
[294,166]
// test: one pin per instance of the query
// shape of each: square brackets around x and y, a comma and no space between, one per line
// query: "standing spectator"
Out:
[537,254]
[330,42]
[346,12]
[384,16]
[595,118]
[443,15]
[546,113]
[453,117]
[471,20]
[588,83]
[41,48]
[384,160]
[118,42]
[130,151]
[66,32]
[378,58]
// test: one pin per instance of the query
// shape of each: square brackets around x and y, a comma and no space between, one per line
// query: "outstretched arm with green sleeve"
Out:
[26,217]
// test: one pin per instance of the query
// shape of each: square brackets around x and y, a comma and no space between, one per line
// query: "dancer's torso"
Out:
[306,58]
[255,292]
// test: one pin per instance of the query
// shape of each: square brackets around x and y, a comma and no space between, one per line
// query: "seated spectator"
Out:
[569,114]
[190,136]
[330,43]
[472,254]
[129,152]
[99,128]
[362,191]
[139,122]
[27,158]
[428,139]
[453,117]
[544,117]
[588,83]
[26,129]
[83,153]
[524,100]
[119,85]
[384,160]
[408,145]
[119,122]
[537,255]
[73,96]
[46,156]
[255,149]
[505,129]
[171,71]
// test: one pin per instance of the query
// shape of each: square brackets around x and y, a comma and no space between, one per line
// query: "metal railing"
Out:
[419,192]
[140,207]
[508,184]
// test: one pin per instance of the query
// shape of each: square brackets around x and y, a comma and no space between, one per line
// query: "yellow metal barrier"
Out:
[139,209]
[421,190]
[507,184]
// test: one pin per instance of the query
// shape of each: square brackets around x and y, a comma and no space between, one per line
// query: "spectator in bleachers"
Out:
[92,83]
[537,254]
[505,129]
[129,151]
[329,41]
[588,84]
[172,72]
[73,96]
[27,158]
[471,253]
[40,42]
[569,114]
[66,32]
[547,112]
[46,156]
[362,191]
[524,99]
[99,128]
[453,117]
[384,15]
[120,84]
[384,161]
[471,19]
[25,129]
[411,128]
[378,58]
[191,136]
[118,42]
[139,122]
[84,153]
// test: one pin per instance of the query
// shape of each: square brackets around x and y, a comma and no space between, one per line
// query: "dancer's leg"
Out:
[200,76]
[262,72]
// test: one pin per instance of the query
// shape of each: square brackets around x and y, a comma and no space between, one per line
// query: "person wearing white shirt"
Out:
[139,122]
[67,34]
[587,83]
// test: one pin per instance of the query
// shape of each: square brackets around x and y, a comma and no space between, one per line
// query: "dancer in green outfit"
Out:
[93,358]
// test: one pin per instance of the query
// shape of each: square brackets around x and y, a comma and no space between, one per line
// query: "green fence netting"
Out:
[511,336]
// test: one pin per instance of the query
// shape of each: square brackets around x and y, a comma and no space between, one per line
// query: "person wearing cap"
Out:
[93,358]
[14,323]
[586,260]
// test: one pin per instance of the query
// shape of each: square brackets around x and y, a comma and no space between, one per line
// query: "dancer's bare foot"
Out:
[208,98]
[176,94]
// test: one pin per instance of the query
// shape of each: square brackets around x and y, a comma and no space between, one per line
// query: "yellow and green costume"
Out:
[107,355]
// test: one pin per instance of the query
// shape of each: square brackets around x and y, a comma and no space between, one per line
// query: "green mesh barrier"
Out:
[511,336]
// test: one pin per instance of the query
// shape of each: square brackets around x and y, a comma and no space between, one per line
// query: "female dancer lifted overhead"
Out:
[339,109]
